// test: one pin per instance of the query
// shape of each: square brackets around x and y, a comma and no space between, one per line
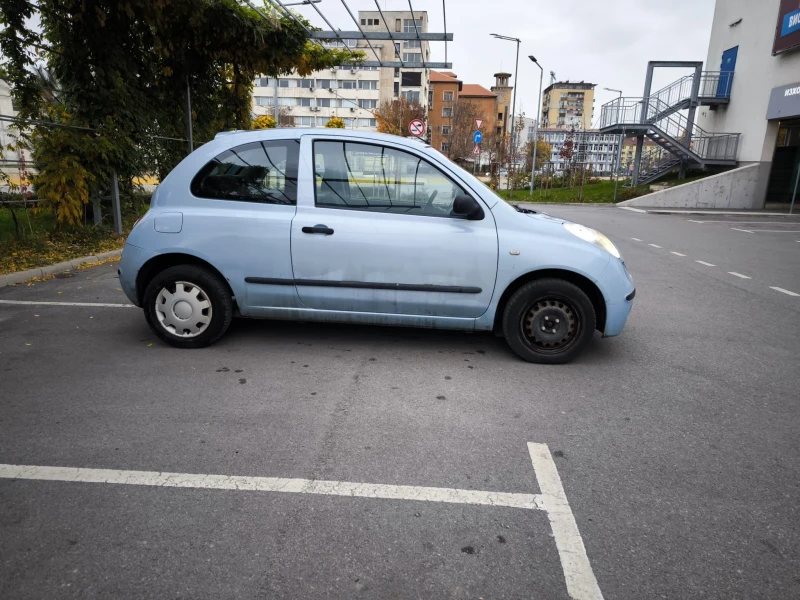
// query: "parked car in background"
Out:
[343,226]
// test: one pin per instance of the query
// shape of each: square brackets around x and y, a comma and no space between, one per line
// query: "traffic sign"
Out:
[477,137]
[417,128]
[478,123]
[476,151]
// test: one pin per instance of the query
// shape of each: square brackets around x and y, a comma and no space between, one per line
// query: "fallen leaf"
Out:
[60,292]
[91,317]
[27,344]
[35,315]
[148,345]
[119,289]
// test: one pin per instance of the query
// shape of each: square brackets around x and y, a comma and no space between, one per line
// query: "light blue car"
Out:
[350,227]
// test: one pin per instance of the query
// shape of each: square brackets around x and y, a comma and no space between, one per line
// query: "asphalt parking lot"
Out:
[298,460]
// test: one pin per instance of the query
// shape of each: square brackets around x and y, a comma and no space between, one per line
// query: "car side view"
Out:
[350,227]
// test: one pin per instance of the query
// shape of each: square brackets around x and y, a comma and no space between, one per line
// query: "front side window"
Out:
[351,175]
[264,172]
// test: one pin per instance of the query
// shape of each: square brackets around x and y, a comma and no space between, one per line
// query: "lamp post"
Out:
[536,123]
[513,102]
[619,146]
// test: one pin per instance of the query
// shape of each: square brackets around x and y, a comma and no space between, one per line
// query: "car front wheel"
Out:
[188,306]
[548,321]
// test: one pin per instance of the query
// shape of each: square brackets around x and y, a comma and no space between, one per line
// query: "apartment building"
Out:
[443,93]
[568,105]
[353,93]
[13,162]
[591,149]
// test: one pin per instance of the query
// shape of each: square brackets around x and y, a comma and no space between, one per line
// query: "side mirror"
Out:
[468,207]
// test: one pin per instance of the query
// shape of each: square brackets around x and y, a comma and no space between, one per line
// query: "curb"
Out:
[22,276]
[677,211]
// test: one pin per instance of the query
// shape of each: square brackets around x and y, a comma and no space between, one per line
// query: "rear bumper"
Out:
[132,260]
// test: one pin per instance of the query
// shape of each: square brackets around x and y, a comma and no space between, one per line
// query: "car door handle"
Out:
[318,229]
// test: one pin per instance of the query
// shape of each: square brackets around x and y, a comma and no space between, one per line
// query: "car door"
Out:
[374,232]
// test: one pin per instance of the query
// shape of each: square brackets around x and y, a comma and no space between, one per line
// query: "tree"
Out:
[263,122]
[394,116]
[335,123]
[124,69]
[462,128]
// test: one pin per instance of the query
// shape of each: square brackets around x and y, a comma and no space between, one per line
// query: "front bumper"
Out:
[619,291]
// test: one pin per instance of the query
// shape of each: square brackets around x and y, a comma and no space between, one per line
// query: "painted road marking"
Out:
[677,253]
[654,245]
[630,208]
[773,231]
[738,275]
[702,262]
[636,239]
[578,575]
[693,221]
[272,484]
[783,291]
[742,230]
[37,303]
[581,582]
[734,222]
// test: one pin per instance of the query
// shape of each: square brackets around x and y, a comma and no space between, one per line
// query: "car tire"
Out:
[548,321]
[188,306]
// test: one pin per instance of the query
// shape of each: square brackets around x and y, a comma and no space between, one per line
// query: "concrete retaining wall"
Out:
[739,188]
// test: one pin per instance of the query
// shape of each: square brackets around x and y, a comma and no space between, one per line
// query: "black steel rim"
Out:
[551,325]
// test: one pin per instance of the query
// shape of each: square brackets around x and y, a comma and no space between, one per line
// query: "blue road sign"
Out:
[477,137]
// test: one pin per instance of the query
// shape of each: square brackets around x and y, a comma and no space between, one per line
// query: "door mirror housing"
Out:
[467,207]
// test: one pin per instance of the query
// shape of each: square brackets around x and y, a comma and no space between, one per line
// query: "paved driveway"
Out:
[326,461]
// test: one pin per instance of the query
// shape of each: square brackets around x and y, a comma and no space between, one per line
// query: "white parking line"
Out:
[630,208]
[742,230]
[636,239]
[738,275]
[702,262]
[578,575]
[693,221]
[581,582]
[272,484]
[783,291]
[774,230]
[654,245]
[37,303]
[677,253]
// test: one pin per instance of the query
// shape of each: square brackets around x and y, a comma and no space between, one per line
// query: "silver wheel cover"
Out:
[186,312]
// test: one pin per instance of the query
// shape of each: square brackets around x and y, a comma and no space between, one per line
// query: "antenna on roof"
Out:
[552,77]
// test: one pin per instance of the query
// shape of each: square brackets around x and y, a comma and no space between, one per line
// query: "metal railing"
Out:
[713,84]
[652,112]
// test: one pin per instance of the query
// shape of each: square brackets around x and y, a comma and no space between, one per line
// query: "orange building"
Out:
[442,95]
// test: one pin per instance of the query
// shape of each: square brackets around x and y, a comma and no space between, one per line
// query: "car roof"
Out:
[297,132]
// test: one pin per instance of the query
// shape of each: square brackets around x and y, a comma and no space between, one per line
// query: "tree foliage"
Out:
[123,69]
[335,123]
[263,122]
[393,116]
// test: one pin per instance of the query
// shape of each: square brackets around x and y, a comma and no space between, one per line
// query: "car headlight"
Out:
[593,237]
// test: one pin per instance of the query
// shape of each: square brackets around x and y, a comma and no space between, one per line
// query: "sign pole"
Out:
[794,195]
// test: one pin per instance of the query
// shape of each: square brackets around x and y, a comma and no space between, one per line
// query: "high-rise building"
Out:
[353,93]
[568,105]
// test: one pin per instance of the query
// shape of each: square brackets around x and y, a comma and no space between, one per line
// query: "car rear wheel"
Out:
[548,321]
[188,306]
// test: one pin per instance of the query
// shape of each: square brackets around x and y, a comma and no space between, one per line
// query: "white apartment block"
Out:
[591,148]
[353,93]
[12,161]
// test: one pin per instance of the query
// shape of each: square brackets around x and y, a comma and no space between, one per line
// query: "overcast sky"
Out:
[607,42]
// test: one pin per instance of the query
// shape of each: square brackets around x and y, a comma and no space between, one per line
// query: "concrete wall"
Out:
[735,189]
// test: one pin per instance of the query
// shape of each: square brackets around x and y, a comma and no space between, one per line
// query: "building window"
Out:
[368,104]
[322,121]
[264,100]
[348,84]
[303,101]
[397,71]
[411,79]
[367,84]
[499,130]
[411,96]
[445,147]
[264,172]
[304,121]
[286,101]
[408,25]
[349,122]
[368,122]
[447,112]
[396,89]
[329,84]
[263,82]
[380,179]
[499,116]
[430,97]
[447,96]
[412,57]
[397,48]
[345,103]
[327,102]
[397,24]
[363,21]
[305,83]
[446,129]
[285,83]
[412,44]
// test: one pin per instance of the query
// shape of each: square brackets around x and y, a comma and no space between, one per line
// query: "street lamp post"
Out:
[536,123]
[513,103]
[619,146]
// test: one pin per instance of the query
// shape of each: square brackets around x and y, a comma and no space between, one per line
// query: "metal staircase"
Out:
[659,116]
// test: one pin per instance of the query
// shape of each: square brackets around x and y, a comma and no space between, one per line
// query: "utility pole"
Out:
[619,144]
[536,123]
[188,116]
